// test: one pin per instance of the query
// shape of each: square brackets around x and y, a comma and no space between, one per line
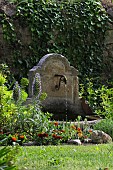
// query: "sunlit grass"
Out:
[66,157]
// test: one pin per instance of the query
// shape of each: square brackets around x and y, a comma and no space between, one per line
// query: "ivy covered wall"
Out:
[32,28]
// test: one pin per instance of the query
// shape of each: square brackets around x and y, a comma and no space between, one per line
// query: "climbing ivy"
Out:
[75,29]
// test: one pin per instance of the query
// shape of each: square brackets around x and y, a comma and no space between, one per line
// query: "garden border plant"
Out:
[100,98]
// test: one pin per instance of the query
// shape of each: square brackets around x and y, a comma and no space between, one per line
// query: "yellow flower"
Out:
[80,134]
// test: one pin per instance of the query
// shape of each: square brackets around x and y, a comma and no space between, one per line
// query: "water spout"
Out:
[61,79]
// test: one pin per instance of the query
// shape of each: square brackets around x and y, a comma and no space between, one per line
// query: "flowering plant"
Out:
[16,139]
[60,132]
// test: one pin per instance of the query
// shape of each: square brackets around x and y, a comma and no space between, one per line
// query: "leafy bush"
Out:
[105,125]
[8,108]
[5,71]
[100,98]
[17,117]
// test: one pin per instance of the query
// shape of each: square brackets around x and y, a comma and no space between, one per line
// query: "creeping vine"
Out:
[75,30]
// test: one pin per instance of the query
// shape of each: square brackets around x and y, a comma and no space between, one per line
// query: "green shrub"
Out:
[105,125]
[7,107]
[100,98]
[5,72]
[2,79]
[24,83]
[17,117]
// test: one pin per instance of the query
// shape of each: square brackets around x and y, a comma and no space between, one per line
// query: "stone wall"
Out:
[6,51]
[108,54]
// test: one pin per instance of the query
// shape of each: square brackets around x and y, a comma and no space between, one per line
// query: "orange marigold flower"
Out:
[78,129]
[42,135]
[59,131]
[80,134]
[14,139]
[21,137]
[56,136]
[46,135]
[56,123]
[73,127]
[85,137]
[90,131]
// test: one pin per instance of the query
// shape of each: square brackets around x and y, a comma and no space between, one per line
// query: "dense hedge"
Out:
[75,30]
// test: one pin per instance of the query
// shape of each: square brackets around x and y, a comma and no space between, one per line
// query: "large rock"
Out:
[99,137]
[74,141]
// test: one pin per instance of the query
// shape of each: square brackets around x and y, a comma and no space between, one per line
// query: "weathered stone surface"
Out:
[29,144]
[9,10]
[109,37]
[88,140]
[110,12]
[99,137]
[74,141]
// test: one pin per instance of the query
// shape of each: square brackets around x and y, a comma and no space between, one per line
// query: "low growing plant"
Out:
[9,108]
[61,132]
[17,117]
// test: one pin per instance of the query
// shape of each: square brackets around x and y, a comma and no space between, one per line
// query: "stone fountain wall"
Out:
[59,81]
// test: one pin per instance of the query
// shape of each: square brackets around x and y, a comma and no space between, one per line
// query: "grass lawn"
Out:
[66,157]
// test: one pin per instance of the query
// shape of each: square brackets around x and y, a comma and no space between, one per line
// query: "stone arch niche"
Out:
[60,81]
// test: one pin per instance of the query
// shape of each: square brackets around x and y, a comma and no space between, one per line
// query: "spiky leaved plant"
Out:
[16,92]
[36,87]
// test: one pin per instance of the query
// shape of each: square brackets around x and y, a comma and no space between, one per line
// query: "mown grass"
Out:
[66,157]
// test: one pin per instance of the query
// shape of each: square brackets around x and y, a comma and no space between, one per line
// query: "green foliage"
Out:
[37,86]
[17,117]
[7,107]
[24,82]
[43,96]
[2,79]
[75,29]
[106,95]
[5,71]
[100,98]
[16,92]
[7,157]
[105,125]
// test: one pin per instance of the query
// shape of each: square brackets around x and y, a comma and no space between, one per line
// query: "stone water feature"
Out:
[60,81]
